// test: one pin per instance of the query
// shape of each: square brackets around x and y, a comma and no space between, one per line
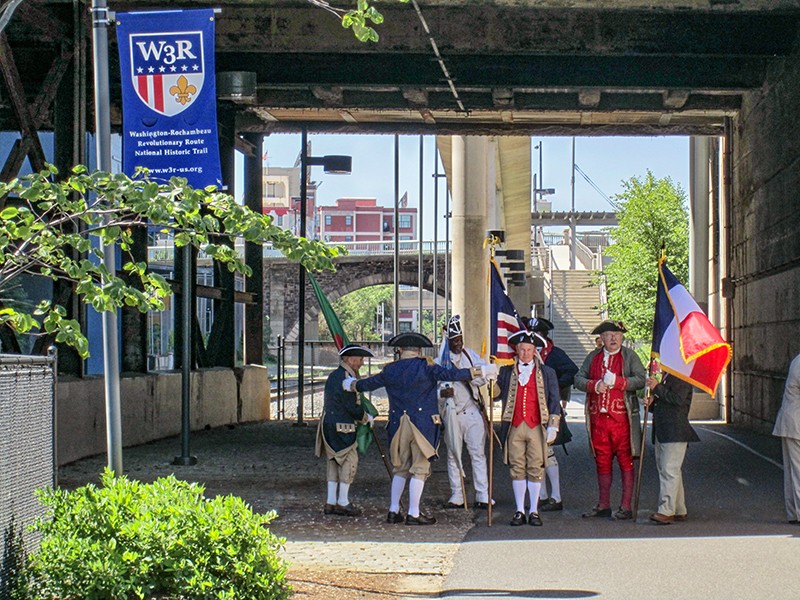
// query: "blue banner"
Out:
[169,98]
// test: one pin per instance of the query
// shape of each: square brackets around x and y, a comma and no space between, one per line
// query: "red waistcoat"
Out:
[526,408]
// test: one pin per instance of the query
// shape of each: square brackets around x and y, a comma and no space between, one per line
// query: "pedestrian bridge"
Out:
[366,264]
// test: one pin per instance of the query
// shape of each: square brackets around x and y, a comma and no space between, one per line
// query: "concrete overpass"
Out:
[483,77]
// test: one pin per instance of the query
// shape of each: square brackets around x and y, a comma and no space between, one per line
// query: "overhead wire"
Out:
[596,188]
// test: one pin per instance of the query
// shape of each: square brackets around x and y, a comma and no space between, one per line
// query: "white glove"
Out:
[552,432]
[609,379]
[349,384]
[489,371]
[370,419]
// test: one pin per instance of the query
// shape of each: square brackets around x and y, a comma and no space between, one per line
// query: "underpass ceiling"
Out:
[518,67]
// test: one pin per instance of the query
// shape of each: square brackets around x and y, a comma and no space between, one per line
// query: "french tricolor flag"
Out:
[686,343]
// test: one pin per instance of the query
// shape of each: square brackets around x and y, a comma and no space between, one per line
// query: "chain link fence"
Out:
[27,448]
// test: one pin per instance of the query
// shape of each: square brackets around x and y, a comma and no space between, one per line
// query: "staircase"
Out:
[574,300]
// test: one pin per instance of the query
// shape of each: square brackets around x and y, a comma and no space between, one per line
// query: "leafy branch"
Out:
[58,229]
[360,19]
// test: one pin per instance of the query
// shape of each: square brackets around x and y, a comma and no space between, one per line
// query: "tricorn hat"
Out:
[609,325]
[527,337]
[355,350]
[410,339]
[454,329]
[539,324]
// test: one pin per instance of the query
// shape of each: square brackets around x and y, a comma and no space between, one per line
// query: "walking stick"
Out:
[650,369]
[641,464]
[383,454]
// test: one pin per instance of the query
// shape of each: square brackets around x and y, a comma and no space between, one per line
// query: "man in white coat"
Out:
[463,400]
[787,427]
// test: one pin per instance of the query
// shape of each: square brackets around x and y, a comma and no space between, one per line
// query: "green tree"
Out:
[357,312]
[56,228]
[652,213]
[358,19]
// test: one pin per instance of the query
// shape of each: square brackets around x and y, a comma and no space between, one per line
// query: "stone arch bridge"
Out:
[353,272]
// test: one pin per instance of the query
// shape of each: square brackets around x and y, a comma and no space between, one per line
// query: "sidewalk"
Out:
[734,496]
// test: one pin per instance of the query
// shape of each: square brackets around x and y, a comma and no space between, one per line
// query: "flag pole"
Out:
[650,369]
[492,241]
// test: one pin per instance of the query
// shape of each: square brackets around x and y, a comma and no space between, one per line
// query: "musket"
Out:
[650,369]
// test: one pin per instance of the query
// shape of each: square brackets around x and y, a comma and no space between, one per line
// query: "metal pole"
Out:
[419,232]
[301,277]
[186,458]
[447,255]
[573,241]
[102,122]
[435,242]
[396,234]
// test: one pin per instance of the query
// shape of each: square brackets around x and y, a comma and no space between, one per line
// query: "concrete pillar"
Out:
[472,162]
[699,190]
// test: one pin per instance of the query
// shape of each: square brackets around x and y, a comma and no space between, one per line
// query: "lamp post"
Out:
[334,164]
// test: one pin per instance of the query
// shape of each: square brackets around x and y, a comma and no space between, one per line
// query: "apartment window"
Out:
[348,220]
[327,220]
[279,221]
[405,221]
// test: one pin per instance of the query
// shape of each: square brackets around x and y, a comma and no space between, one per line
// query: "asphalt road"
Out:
[735,544]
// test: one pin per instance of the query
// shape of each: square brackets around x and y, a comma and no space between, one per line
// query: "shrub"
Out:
[12,568]
[127,540]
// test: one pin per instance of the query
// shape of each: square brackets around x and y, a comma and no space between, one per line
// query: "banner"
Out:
[503,318]
[363,431]
[686,343]
[169,98]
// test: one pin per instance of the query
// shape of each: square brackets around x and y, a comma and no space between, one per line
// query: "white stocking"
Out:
[533,490]
[555,483]
[398,485]
[344,490]
[415,487]
[332,491]
[520,487]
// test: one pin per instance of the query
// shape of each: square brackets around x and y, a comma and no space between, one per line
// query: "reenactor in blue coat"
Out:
[414,427]
[555,358]
[336,435]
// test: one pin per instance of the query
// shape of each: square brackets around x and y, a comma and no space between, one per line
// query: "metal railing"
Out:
[321,357]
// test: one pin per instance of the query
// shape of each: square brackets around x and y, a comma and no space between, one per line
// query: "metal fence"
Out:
[27,441]
[321,357]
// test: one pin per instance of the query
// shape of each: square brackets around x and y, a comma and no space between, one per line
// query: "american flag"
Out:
[503,316]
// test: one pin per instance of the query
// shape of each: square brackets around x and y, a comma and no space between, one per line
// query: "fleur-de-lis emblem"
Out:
[184,91]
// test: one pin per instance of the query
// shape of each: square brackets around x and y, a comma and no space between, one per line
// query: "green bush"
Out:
[127,540]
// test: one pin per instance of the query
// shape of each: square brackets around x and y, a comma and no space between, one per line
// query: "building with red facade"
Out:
[362,220]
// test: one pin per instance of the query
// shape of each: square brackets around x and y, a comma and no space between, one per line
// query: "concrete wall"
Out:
[765,245]
[151,407]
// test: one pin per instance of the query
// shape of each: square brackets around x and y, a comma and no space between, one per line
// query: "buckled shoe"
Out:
[534,520]
[596,511]
[422,519]
[347,511]
[518,519]
[550,505]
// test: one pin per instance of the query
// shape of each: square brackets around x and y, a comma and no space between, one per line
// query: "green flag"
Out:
[363,432]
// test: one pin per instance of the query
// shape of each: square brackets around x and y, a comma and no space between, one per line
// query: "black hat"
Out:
[355,350]
[527,337]
[454,329]
[539,324]
[410,339]
[609,326]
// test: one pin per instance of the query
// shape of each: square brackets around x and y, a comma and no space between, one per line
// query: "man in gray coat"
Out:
[610,377]
[787,427]
[671,399]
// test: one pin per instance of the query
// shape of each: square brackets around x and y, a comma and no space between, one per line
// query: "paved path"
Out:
[736,543]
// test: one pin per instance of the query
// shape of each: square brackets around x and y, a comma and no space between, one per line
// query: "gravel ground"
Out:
[272,466]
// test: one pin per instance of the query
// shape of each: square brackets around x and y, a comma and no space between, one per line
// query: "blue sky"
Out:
[608,161]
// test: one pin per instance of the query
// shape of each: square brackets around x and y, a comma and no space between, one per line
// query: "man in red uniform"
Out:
[531,417]
[610,377]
